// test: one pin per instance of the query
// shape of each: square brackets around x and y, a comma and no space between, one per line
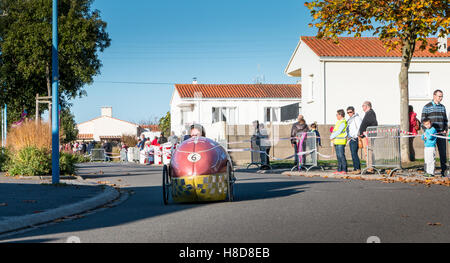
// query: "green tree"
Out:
[398,23]
[26,51]
[68,126]
[164,124]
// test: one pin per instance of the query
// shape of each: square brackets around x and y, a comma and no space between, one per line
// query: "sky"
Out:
[158,43]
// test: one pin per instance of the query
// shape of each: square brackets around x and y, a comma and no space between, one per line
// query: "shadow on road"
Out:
[146,203]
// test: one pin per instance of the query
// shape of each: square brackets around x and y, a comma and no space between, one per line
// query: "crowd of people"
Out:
[352,132]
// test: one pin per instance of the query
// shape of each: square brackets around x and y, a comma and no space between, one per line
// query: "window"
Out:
[271,114]
[224,114]
[418,85]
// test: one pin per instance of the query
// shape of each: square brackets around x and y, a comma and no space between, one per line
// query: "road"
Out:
[268,208]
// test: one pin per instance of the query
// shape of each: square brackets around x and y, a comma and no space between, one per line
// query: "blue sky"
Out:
[230,41]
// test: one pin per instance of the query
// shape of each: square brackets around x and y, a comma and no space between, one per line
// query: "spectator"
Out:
[162,139]
[264,147]
[298,127]
[430,145]
[173,138]
[370,119]
[90,147]
[83,148]
[141,143]
[339,138]
[354,123]
[414,127]
[316,131]
[436,112]
[107,146]
[155,141]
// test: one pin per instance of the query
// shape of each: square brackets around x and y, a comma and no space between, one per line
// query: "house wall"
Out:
[350,83]
[106,126]
[313,97]
[247,111]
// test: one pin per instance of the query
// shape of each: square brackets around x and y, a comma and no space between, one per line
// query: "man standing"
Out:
[354,123]
[370,119]
[339,139]
[436,112]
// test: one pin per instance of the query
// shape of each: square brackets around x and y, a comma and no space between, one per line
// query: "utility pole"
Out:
[55,95]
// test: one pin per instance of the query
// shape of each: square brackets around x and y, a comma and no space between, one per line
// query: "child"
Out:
[430,145]
[314,129]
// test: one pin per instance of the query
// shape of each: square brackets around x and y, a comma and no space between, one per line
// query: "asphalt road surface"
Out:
[267,208]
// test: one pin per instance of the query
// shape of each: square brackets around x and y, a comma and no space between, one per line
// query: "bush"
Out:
[4,159]
[67,163]
[28,134]
[30,161]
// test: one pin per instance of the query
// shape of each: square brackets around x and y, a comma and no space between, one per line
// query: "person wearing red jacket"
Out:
[414,127]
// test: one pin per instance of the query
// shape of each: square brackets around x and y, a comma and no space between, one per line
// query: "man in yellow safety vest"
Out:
[339,138]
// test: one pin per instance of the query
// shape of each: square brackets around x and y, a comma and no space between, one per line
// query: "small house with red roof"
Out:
[335,76]
[216,106]
[106,127]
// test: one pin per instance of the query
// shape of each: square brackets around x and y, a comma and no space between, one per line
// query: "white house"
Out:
[106,127]
[358,69]
[214,105]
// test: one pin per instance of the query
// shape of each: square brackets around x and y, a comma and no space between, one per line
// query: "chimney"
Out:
[442,44]
[194,80]
[106,111]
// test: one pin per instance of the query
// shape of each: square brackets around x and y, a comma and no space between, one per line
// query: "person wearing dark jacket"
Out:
[162,139]
[370,119]
[437,113]
[298,127]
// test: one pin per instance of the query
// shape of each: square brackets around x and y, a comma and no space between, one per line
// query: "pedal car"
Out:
[200,170]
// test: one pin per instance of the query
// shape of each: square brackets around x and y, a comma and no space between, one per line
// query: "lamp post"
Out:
[55,96]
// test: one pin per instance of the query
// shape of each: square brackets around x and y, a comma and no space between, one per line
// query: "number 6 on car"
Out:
[200,170]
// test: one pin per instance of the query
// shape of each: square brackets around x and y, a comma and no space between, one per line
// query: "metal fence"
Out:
[307,144]
[383,148]
[123,155]
[133,154]
[98,155]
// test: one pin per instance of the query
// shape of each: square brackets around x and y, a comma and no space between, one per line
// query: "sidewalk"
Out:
[26,202]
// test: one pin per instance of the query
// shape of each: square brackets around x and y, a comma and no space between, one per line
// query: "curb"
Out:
[20,222]
[445,181]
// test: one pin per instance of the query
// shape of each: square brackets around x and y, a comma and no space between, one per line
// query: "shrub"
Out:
[67,163]
[28,134]
[4,159]
[30,161]
[129,140]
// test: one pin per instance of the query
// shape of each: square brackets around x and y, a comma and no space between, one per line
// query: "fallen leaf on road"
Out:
[434,224]
[37,212]
[3,204]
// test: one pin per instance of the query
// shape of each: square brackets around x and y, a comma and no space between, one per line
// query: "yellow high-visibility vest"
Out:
[341,139]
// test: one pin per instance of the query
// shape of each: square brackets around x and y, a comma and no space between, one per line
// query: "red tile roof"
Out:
[240,90]
[363,47]
[152,127]
[85,136]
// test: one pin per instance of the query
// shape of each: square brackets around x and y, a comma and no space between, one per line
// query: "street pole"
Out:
[55,95]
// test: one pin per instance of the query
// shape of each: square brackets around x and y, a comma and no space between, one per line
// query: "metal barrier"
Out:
[98,155]
[123,155]
[133,155]
[307,144]
[383,148]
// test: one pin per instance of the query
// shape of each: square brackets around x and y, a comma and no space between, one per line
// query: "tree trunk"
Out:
[407,52]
